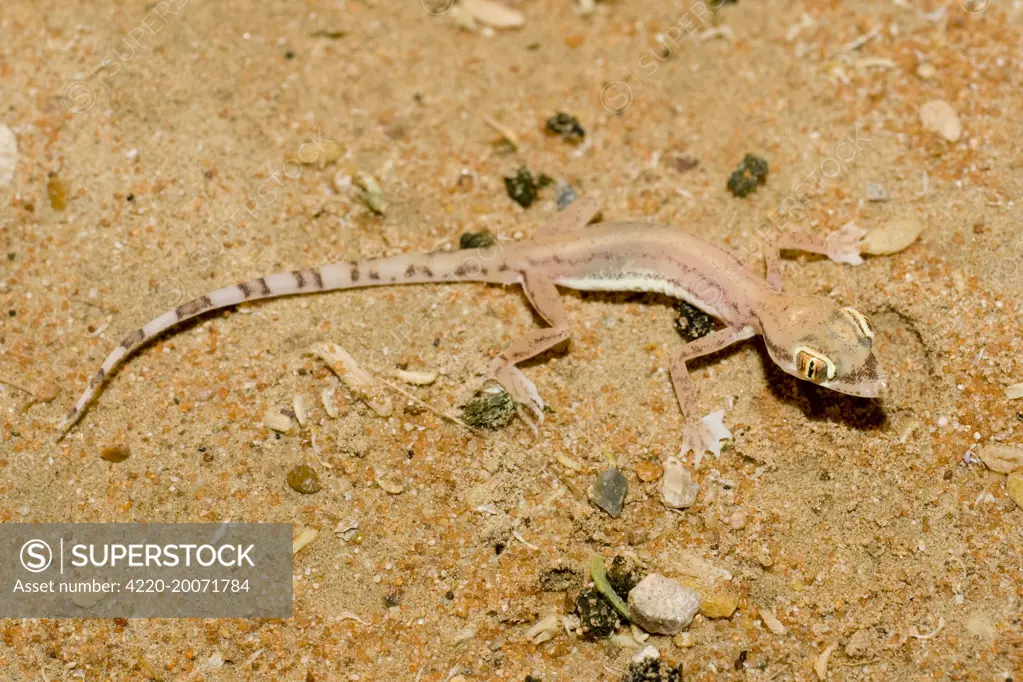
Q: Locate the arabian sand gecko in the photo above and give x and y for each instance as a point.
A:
(809, 337)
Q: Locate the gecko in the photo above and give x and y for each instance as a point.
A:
(810, 337)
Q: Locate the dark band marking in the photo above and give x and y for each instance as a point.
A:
(354, 274)
(245, 289)
(132, 339)
(503, 267)
(299, 278)
(425, 269)
(264, 290)
(97, 379)
(373, 274)
(194, 306)
(317, 277)
(410, 271)
(393, 278)
(73, 412)
(465, 269)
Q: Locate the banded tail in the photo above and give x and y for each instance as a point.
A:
(482, 265)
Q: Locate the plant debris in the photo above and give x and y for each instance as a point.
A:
(476, 240)
(748, 176)
(603, 585)
(598, 618)
(523, 188)
(490, 408)
(624, 574)
(650, 669)
(358, 380)
(566, 126)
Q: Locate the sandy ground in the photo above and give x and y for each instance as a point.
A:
(867, 528)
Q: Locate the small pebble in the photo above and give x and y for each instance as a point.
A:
(132, 155)
(678, 489)
(8, 155)
(304, 479)
(46, 392)
(892, 237)
(876, 192)
(372, 195)
(721, 602)
(663, 606)
(389, 485)
(926, 70)
(1002, 457)
(648, 471)
(494, 14)
(273, 419)
(56, 190)
(772, 622)
(115, 453)
(1014, 392)
(329, 406)
(564, 194)
(1014, 486)
(608, 491)
(939, 117)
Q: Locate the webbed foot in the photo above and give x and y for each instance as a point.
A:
(705, 436)
(844, 245)
(523, 392)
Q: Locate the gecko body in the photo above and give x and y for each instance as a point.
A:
(811, 338)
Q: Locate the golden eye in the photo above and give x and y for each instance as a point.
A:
(813, 366)
(861, 321)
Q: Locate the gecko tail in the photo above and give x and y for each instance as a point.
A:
(439, 267)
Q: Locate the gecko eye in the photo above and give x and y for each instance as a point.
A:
(813, 366)
(861, 321)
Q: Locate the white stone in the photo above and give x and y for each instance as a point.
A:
(939, 117)
(662, 605)
(678, 489)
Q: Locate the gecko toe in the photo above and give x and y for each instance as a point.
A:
(705, 436)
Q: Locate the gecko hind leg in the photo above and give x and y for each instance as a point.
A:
(544, 297)
(702, 434)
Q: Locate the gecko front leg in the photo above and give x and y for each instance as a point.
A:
(702, 434)
(545, 299)
(841, 246)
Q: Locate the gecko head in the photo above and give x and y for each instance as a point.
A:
(818, 341)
